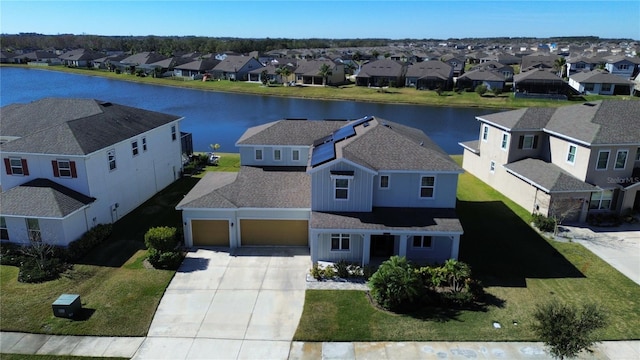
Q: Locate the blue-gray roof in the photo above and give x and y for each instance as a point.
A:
(42, 198)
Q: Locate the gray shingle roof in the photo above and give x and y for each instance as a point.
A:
(289, 132)
(384, 67)
(596, 122)
(537, 75)
(430, 69)
(482, 75)
(390, 219)
(254, 187)
(42, 198)
(599, 77)
(73, 126)
(547, 176)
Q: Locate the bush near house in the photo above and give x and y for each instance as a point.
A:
(162, 242)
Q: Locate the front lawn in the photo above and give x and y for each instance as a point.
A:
(119, 295)
(519, 269)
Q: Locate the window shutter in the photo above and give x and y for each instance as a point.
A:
(74, 172)
(25, 168)
(56, 172)
(535, 142)
(7, 165)
(521, 142)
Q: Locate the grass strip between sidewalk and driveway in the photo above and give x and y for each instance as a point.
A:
(518, 267)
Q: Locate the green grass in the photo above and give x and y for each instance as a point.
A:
(519, 269)
(347, 92)
(119, 295)
(229, 162)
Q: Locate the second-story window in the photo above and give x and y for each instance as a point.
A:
(144, 144)
(258, 154)
(384, 181)
(427, 186)
(64, 168)
(341, 188)
(485, 133)
(505, 141)
(621, 159)
(603, 160)
(277, 154)
(174, 134)
(134, 148)
(111, 158)
(295, 155)
(528, 142)
(571, 154)
(16, 166)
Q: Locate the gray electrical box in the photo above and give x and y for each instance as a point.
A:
(67, 306)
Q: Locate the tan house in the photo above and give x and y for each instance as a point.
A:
(576, 160)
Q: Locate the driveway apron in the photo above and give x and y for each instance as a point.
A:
(230, 304)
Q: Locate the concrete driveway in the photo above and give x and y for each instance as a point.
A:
(240, 305)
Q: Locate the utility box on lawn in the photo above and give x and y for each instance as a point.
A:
(67, 306)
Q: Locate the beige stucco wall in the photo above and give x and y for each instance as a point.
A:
(559, 149)
(610, 177)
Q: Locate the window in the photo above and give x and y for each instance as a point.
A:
(4, 232)
(16, 166)
(588, 87)
(64, 168)
(621, 159)
(277, 154)
(528, 142)
(492, 166)
(427, 186)
(606, 87)
(340, 242)
(144, 144)
(111, 157)
(174, 135)
(341, 188)
(33, 229)
(422, 242)
(571, 154)
(638, 154)
(603, 160)
(485, 132)
(623, 66)
(258, 154)
(505, 141)
(295, 155)
(384, 181)
(601, 200)
(134, 148)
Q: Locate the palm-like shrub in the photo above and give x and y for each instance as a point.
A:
(396, 286)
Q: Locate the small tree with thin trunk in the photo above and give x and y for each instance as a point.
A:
(567, 330)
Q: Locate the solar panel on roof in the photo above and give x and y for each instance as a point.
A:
(323, 153)
(344, 132)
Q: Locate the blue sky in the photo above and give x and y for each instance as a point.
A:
(326, 19)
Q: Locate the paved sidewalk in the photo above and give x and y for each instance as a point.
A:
(127, 347)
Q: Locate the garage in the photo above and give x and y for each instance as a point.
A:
(210, 232)
(274, 232)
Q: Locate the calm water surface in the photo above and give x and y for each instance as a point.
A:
(221, 118)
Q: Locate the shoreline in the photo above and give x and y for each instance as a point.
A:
(397, 96)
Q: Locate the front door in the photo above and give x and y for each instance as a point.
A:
(382, 245)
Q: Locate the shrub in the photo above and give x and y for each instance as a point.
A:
(544, 223)
(565, 329)
(317, 272)
(481, 89)
(79, 248)
(396, 286)
(168, 260)
(342, 269)
(33, 271)
(162, 238)
(11, 255)
(329, 272)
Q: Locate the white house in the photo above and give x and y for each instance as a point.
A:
(70, 164)
(349, 190)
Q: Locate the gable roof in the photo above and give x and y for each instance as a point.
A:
(73, 126)
(234, 63)
(143, 58)
(430, 69)
(312, 67)
(386, 67)
(81, 54)
(289, 132)
(482, 75)
(599, 77)
(592, 123)
(42, 198)
(537, 75)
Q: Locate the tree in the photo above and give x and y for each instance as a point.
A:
(283, 72)
(567, 330)
(214, 147)
(325, 71)
(562, 209)
(481, 89)
(559, 65)
(456, 273)
(396, 285)
(264, 77)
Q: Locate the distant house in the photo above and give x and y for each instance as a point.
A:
(623, 66)
(235, 68)
(195, 67)
(576, 160)
(431, 75)
(381, 73)
(506, 70)
(457, 63)
(42, 57)
(582, 64)
(600, 82)
(504, 59)
(77, 163)
(80, 57)
(272, 73)
(540, 81)
(307, 72)
(359, 191)
(492, 79)
(534, 62)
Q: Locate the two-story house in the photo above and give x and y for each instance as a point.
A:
(349, 190)
(577, 159)
(70, 164)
